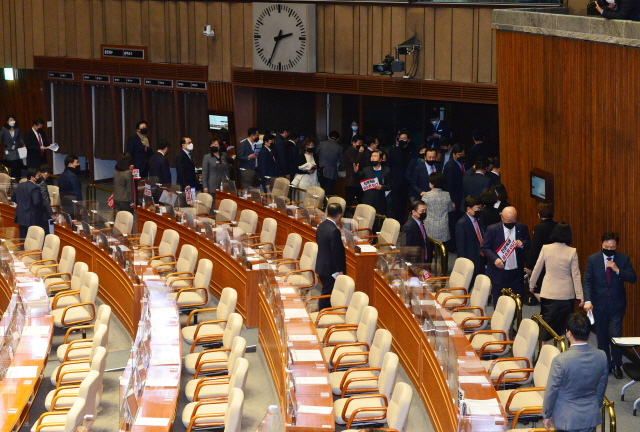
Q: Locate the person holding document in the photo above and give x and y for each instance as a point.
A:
(36, 142)
(375, 193)
(307, 171)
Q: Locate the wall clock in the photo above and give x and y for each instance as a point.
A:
(284, 37)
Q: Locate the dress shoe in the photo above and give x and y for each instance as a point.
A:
(617, 372)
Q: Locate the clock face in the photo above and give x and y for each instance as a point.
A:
(280, 37)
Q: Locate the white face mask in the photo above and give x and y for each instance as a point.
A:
(190, 146)
(12, 123)
(434, 122)
(355, 128)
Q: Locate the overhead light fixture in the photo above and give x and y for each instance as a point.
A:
(8, 74)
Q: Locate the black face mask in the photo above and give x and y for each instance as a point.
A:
(403, 143)
(214, 149)
(144, 131)
(460, 159)
(311, 149)
(477, 214)
(375, 163)
(422, 216)
(77, 170)
(431, 163)
(256, 140)
(608, 253)
(509, 225)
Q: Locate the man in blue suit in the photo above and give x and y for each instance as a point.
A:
(507, 272)
(267, 160)
(29, 210)
(605, 295)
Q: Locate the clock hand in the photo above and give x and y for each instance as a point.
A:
(286, 35)
(277, 39)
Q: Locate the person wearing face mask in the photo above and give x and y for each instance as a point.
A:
(474, 182)
(185, 165)
(370, 145)
(605, 296)
(69, 186)
(420, 178)
(501, 192)
(439, 205)
(45, 172)
(307, 165)
(445, 149)
(398, 162)
(541, 236)
(436, 129)
(354, 128)
(12, 136)
(214, 168)
(352, 156)
(470, 231)
(28, 201)
(375, 197)
(139, 149)
(454, 177)
(267, 160)
(505, 266)
(36, 142)
(415, 232)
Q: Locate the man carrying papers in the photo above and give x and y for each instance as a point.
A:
(375, 192)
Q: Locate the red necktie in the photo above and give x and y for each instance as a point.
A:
(462, 168)
(608, 271)
(40, 141)
(425, 240)
(475, 225)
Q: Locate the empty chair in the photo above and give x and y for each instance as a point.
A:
(359, 301)
(219, 360)
(464, 315)
(305, 276)
(365, 216)
(49, 254)
(192, 361)
(247, 225)
(513, 400)
(365, 358)
(373, 407)
(74, 371)
(67, 259)
(397, 411)
(56, 282)
(523, 348)
(280, 189)
(74, 307)
(123, 223)
(336, 200)
(342, 339)
(369, 379)
(388, 235)
(166, 250)
(219, 386)
(65, 352)
(145, 239)
(290, 252)
(212, 413)
(54, 196)
(459, 282)
(313, 198)
(32, 245)
(501, 321)
(340, 298)
(196, 293)
(63, 421)
(5, 182)
(226, 307)
(202, 205)
(267, 235)
(182, 267)
(226, 211)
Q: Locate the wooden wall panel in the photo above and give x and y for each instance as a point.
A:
(225, 60)
(215, 46)
(443, 47)
(83, 27)
(71, 32)
(462, 39)
(485, 47)
(98, 34)
(18, 6)
(329, 39)
(51, 28)
(248, 35)
(113, 21)
(344, 46)
(61, 28)
(237, 31)
(172, 24)
(133, 16)
(157, 39)
(549, 119)
(183, 32)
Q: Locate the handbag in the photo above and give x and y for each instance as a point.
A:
(110, 202)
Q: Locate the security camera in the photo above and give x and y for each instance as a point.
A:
(208, 31)
(388, 66)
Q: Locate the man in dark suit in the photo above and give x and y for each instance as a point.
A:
(541, 235)
(280, 150)
(621, 9)
(330, 160)
(577, 382)
(139, 149)
(185, 166)
(494, 174)
(370, 145)
(437, 129)
(353, 156)
(291, 155)
(331, 260)
(375, 197)
(419, 179)
(473, 183)
(479, 150)
(29, 210)
(247, 157)
(69, 186)
(605, 295)
(398, 160)
(36, 142)
(453, 174)
(507, 272)
(469, 233)
(414, 232)
(267, 160)
(159, 171)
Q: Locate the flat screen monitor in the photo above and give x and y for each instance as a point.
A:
(189, 218)
(541, 185)
(208, 229)
(105, 241)
(218, 122)
(87, 229)
(67, 219)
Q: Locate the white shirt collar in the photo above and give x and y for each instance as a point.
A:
(334, 222)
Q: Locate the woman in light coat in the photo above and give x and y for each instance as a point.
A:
(562, 283)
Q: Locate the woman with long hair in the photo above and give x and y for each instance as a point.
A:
(123, 184)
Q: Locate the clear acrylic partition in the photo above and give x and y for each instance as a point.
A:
(229, 186)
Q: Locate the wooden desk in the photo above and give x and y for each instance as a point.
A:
(8, 213)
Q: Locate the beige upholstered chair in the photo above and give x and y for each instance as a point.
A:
(313, 198)
(247, 225)
(226, 211)
(267, 237)
(49, 255)
(398, 409)
(280, 189)
(218, 360)
(207, 361)
(67, 260)
(166, 250)
(5, 183)
(63, 421)
(365, 358)
(62, 281)
(212, 329)
(464, 315)
(457, 284)
(216, 413)
(32, 245)
(54, 196)
(123, 224)
(305, 276)
(215, 387)
(65, 352)
(74, 371)
(365, 216)
(145, 239)
(367, 379)
(290, 252)
(513, 400)
(340, 298)
(182, 267)
(501, 321)
(196, 292)
(340, 339)
(359, 301)
(202, 206)
(336, 200)
(523, 348)
(389, 232)
(75, 307)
